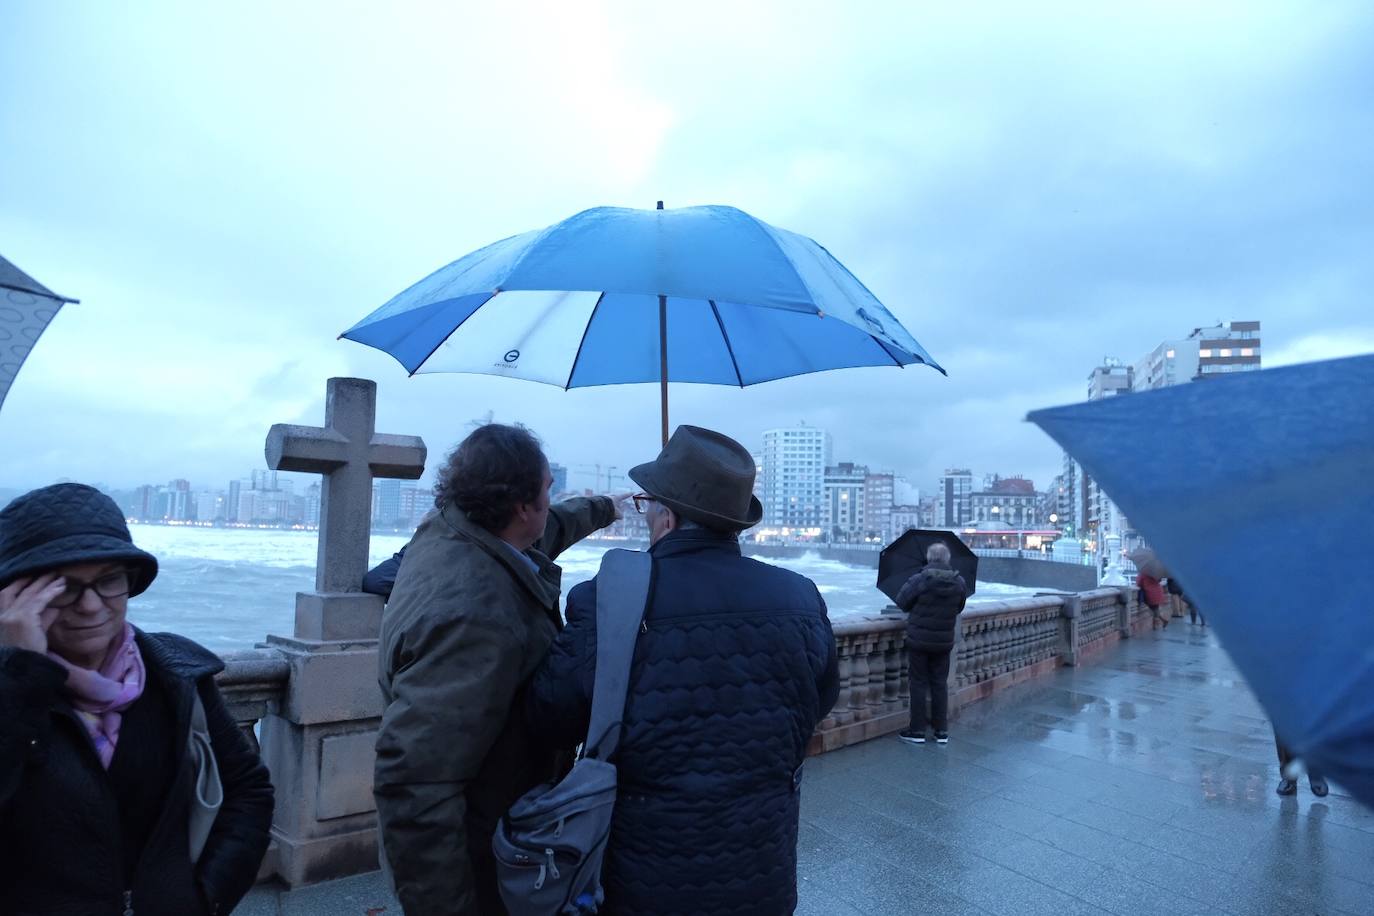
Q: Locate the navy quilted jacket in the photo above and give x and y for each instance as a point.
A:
(734, 666)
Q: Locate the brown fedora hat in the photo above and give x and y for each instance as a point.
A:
(705, 476)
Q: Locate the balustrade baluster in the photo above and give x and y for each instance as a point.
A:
(841, 714)
(858, 692)
(877, 671)
(892, 663)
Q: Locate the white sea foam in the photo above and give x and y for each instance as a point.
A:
(228, 588)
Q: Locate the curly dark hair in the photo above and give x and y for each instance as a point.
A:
(496, 468)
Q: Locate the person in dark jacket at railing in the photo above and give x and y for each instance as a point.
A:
(101, 755)
(933, 599)
(381, 579)
(735, 665)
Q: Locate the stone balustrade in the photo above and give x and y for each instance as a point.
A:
(996, 645)
(254, 684)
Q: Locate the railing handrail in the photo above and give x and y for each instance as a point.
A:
(253, 668)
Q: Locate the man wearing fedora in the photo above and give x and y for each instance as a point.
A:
(734, 666)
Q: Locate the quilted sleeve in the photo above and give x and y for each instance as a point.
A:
(828, 682)
(558, 704)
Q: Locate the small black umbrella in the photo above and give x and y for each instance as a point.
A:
(905, 557)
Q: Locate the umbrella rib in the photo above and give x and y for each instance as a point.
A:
(889, 353)
(729, 348)
(585, 330)
(50, 295)
(444, 339)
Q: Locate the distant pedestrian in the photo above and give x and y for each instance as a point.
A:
(933, 599)
(1288, 783)
(1180, 600)
(1153, 594)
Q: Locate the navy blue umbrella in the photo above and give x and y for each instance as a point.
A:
(906, 556)
(1259, 498)
(611, 296)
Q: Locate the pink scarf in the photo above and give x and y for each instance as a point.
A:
(100, 697)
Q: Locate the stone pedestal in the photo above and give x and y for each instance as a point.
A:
(320, 749)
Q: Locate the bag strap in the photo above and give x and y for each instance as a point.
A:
(622, 592)
(207, 790)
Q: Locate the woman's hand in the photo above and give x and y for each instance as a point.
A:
(24, 612)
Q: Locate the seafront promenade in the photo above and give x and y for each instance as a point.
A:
(1097, 766)
(1138, 782)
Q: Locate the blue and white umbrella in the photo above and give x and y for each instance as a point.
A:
(612, 296)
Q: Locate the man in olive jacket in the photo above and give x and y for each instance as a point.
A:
(473, 612)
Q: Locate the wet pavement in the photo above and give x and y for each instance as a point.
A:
(1141, 782)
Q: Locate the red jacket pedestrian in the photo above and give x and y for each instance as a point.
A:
(1154, 592)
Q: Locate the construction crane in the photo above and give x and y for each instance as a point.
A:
(594, 469)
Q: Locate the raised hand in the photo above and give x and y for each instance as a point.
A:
(621, 501)
(24, 612)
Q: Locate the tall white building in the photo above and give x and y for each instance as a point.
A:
(208, 506)
(1173, 362)
(794, 463)
(1226, 348)
(1111, 379)
(1223, 348)
(956, 486)
(844, 501)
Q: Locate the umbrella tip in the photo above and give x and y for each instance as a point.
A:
(660, 205)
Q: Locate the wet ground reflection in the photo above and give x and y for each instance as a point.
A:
(1142, 781)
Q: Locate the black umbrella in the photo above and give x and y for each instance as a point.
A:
(905, 557)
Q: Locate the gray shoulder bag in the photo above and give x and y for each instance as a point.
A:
(549, 846)
(207, 792)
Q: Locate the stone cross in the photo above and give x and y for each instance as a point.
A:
(349, 452)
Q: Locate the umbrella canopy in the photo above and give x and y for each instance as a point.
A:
(906, 556)
(612, 296)
(1257, 499)
(26, 307)
(1146, 562)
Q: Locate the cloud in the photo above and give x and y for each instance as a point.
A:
(1323, 345)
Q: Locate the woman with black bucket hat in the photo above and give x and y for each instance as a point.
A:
(125, 785)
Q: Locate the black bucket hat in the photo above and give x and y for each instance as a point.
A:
(705, 476)
(66, 524)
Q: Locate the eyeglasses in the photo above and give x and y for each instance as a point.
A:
(642, 501)
(110, 585)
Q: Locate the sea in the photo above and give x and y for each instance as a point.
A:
(227, 588)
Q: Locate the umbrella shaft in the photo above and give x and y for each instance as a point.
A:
(663, 362)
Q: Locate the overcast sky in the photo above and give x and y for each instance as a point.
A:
(1027, 187)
